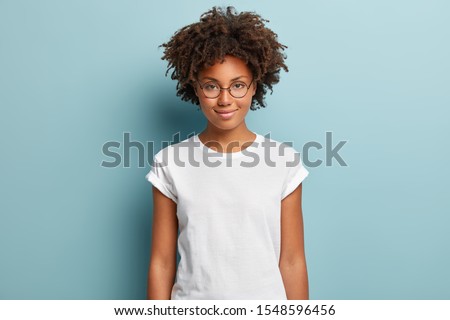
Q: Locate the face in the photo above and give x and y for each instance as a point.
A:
(226, 112)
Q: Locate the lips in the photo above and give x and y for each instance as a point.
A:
(225, 114)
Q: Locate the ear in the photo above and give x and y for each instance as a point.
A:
(253, 88)
(195, 88)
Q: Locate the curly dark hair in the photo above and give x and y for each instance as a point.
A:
(223, 32)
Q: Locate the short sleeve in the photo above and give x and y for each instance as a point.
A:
(295, 175)
(159, 176)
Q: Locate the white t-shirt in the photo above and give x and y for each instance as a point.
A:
(228, 209)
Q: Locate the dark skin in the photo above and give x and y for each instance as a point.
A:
(162, 269)
(292, 262)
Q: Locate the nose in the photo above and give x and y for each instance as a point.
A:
(224, 98)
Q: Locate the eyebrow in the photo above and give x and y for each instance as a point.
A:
(234, 79)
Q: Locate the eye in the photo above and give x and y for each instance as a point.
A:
(210, 86)
(238, 86)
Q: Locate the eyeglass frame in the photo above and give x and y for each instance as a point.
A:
(228, 89)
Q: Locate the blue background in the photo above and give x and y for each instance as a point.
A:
(77, 74)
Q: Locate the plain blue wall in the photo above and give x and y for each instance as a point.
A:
(77, 74)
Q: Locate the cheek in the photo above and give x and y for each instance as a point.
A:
(246, 102)
(205, 103)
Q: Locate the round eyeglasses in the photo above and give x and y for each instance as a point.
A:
(237, 89)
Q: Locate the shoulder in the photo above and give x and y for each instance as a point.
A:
(166, 154)
(277, 149)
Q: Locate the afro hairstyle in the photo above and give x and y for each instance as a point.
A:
(222, 32)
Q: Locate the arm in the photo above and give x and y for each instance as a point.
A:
(163, 260)
(292, 257)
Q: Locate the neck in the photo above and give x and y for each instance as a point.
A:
(226, 138)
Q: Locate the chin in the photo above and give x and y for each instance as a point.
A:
(227, 126)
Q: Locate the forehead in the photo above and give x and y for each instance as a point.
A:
(230, 69)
